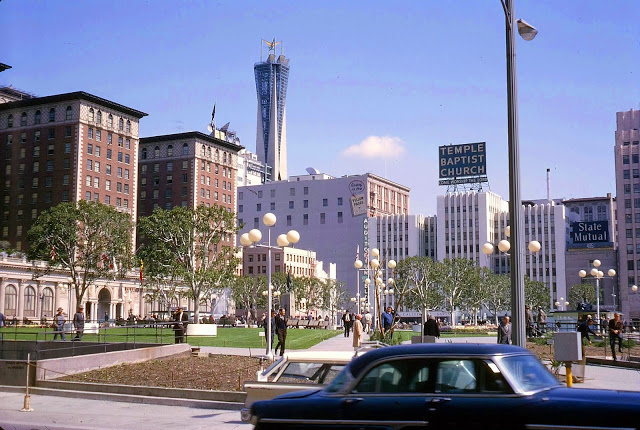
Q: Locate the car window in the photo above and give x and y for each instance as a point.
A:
(528, 372)
(310, 373)
(456, 376)
(491, 379)
(399, 376)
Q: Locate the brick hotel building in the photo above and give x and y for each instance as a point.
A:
(64, 148)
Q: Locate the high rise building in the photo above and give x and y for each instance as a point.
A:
(64, 148)
(251, 171)
(627, 158)
(187, 169)
(272, 78)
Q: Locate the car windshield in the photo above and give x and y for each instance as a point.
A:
(340, 381)
(528, 373)
(310, 373)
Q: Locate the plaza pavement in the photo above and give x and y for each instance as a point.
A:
(56, 413)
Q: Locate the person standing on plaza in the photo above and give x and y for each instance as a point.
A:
(504, 331)
(180, 327)
(78, 323)
(387, 320)
(58, 325)
(431, 327)
(346, 322)
(106, 317)
(542, 320)
(358, 332)
(3, 322)
(529, 320)
(281, 331)
(615, 333)
(585, 328)
(265, 322)
(368, 319)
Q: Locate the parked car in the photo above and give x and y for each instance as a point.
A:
(448, 386)
(295, 371)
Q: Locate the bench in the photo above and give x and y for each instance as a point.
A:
(292, 323)
(303, 323)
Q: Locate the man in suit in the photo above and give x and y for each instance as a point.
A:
(58, 321)
(615, 333)
(271, 337)
(431, 327)
(281, 331)
(180, 327)
(346, 322)
(78, 322)
(504, 331)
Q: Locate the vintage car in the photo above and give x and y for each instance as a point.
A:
(448, 386)
(295, 371)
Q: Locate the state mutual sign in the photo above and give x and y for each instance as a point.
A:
(590, 234)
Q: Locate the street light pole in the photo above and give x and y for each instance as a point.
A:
(515, 218)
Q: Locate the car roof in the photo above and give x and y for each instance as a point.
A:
(434, 349)
(315, 355)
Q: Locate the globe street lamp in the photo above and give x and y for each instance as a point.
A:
(252, 238)
(379, 283)
(527, 32)
(358, 265)
(597, 274)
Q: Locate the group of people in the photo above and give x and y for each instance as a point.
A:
(349, 319)
(616, 330)
(535, 326)
(278, 330)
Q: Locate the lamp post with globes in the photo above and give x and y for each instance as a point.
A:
(597, 274)
(379, 283)
(252, 238)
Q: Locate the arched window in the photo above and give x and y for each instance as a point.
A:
(217, 155)
(156, 152)
(128, 126)
(92, 115)
(99, 118)
(23, 119)
(203, 151)
(38, 117)
(170, 151)
(68, 113)
(47, 302)
(10, 121)
(174, 302)
(224, 157)
(209, 152)
(29, 301)
(52, 114)
(110, 121)
(144, 153)
(10, 300)
(120, 124)
(185, 149)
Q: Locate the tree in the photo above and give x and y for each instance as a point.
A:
(90, 240)
(460, 275)
(582, 293)
(416, 281)
(248, 290)
(182, 246)
(536, 293)
(333, 294)
(474, 297)
(498, 293)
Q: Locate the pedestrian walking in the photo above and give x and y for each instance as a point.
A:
(504, 331)
(358, 332)
(615, 333)
(529, 320)
(78, 323)
(281, 331)
(368, 319)
(346, 322)
(58, 325)
(431, 327)
(542, 320)
(180, 326)
(270, 336)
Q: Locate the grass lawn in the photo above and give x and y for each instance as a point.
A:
(230, 337)
(405, 335)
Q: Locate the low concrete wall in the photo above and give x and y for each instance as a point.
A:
(58, 367)
(138, 390)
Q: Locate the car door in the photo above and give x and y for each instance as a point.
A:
(472, 393)
(390, 395)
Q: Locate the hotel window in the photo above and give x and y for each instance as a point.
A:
(636, 173)
(625, 159)
(10, 121)
(627, 219)
(258, 207)
(120, 141)
(107, 185)
(291, 206)
(339, 217)
(121, 124)
(68, 113)
(91, 114)
(96, 166)
(52, 114)
(305, 204)
(306, 190)
(109, 138)
(288, 220)
(127, 143)
(636, 188)
(638, 217)
(627, 188)
(339, 201)
(170, 151)
(89, 165)
(292, 191)
(65, 179)
(38, 117)
(90, 133)
(635, 158)
(52, 133)
(305, 219)
(98, 135)
(96, 182)
(110, 121)
(144, 153)
(185, 149)
(128, 130)
(87, 196)
(89, 149)
(627, 203)
(97, 151)
(629, 233)
(272, 206)
(23, 119)
(325, 202)
(36, 136)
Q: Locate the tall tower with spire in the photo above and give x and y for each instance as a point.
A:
(272, 77)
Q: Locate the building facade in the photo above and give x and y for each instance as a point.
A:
(298, 262)
(331, 214)
(583, 213)
(65, 148)
(272, 79)
(627, 159)
(251, 171)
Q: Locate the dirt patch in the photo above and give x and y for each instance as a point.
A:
(218, 372)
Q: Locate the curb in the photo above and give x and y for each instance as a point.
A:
(130, 398)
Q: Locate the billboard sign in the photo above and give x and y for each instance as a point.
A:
(463, 164)
(358, 205)
(590, 234)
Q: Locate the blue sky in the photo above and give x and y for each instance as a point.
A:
(407, 76)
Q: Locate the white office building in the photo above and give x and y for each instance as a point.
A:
(331, 214)
(251, 171)
(468, 220)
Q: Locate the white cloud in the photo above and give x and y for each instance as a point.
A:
(384, 147)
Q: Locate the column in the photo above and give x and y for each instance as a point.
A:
(20, 307)
(3, 284)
